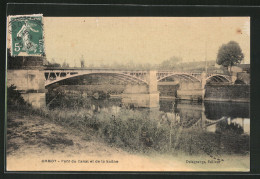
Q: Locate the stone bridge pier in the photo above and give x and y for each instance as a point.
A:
(142, 95)
(192, 90)
(30, 83)
(27, 74)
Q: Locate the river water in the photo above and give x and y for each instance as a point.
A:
(210, 127)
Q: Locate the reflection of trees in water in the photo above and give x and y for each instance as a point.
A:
(230, 138)
(224, 126)
(60, 99)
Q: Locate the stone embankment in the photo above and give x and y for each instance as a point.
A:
(236, 93)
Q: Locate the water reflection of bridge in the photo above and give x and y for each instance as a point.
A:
(207, 115)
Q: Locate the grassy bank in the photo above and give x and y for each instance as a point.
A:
(141, 131)
(144, 131)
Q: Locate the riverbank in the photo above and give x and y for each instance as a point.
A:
(241, 100)
(227, 93)
(36, 143)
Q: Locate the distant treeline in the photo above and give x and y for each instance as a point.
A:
(174, 63)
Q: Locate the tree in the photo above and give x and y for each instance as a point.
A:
(229, 54)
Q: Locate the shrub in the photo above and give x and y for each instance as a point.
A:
(14, 97)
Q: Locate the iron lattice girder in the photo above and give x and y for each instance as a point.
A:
(218, 78)
(194, 77)
(56, 75)
(53, 76)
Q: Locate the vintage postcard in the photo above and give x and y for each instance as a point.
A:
(128, 93)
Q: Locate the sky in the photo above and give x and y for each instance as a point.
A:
(141, 39)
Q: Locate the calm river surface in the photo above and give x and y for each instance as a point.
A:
(221, 127)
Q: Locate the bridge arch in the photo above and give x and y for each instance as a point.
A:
(218, 78)
(60, 76)
(186, 77)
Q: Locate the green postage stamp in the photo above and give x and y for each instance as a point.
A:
(26, 35)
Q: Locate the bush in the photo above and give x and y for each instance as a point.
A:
(14, 97)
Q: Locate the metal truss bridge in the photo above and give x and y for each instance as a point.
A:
(54, 75)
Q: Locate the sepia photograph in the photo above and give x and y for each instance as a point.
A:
(139, 94)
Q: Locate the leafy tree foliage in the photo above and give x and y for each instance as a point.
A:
(229, 54)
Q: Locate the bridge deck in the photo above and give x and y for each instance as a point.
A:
(53, 75)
